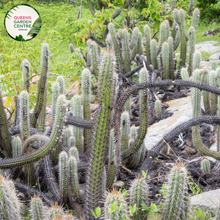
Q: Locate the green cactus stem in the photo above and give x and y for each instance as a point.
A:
(56, 210)
(37, 210)
(205, 166)
(163, 36)
(101, 132)
(115, 199)
(196, 60)
(195, 18)
(126, 50)
(167, 28)
(177, 204)
(134, 37)
(67, 134)
(25, 69)
(165, 58)
(128, 105)
(55, 139)
(88, 61)
(42, 84)
(191, 36)
(86, 99)
(25, 120)
(125, 128)
(147, 35)
(74, 152)
(119, 33)
(153, 49)
(61, 82)
(16, 146)
(78, 132)
(171, 51)
(71, 142)
(206, 99)
(73, 177)
(184, 74)
(158, 108)
(55, 94)
(94, 58)
(71, 48)
(177, 39)
(63, 175)
(104, 179)
(111, 162)
(214, 65)
(139, 193)
(139, 44)
(109, 42)
(213, 82)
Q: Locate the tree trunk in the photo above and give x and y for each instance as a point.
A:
(91, 8)
(100, 4)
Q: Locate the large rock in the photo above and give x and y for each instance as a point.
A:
(215, 57)
(207, 46)
(182, 112)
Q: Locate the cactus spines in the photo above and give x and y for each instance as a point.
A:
(118, 200)
(56, 210)
(213, 82)
(147, 35)
(104, 176)
(109, 42)
(25, 120)
(101, 133)
(63, 175)
(153, 49)
(196, 60)
(139, 44)
(139, 192)
(25, 68)
(158, 108)
(60, 80)
(73, 177)
(177, 199)
(55, 139)
(165, 58)
(171, 71)
(125, 127)
(177, 39)
(89, 42)
(205, 166)
(214, 65)
(167, 28)
(71, 142)
(134, 37)
(111, 162)
(71, 48)
(16, 146)
(163, 35)
(184, 74)
(176, 16)
(195, 18)
(126, 50)
(206, 93)
(42, 84)
(117, 50)
(55, 94)
(67, 135)
(77, 112)
(191, 36)
(74, 152)
(86, 99)
(94, 58)
(9, 203)
(119, 33)
(37, 210)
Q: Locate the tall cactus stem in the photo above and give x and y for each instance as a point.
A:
(191, 36)
(205, 166)
(171, 71)
(71, 141)
(25, 68)
(67, 135)
(55, 94)
(126, 50)
(16, 146)
(195, 18)
(153, 49)
(196, 60)
(213, 82)
(94, 58)
(206, 99)
(74, 152)
(71, 48)
(125, 128)
(147, 35)
(61, 82)
(165, 58)
(37, 210)
(158, 108)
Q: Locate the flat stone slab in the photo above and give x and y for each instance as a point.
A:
(207, 46)
(209, 199)
(182, 109)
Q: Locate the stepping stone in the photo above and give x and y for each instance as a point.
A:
(207, 46)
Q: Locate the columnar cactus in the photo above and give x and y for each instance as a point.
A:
(165, 58)
(73, 177)
(171, 51)
(55, 94)
(9, 202)
(67, 135)
(191, 34)
(147, 35)
(71, 48)
(126, 50)
(94, 58)
(134, 37)
(86, 99)
(119, 33)
(16, 146)
(104, 179)
(111, 161)
(25, 68)
(71, 142)
(37, 210)
(61, 82)
(177, 205)
(177, 38)
(205, 166)
(25, 120)
(74, 152)
(195, 18)
(158, 108)
(184, 74)
(100, 134)
(109, 42)
(116, 199)
(63, 175)
(163, 36)
(139, 193)
(77, 112)
(42, 84)
(125, 127)
(139, 44)
(167, 28)
(128, 105)
(206, 99)
(214, 65)
(56, 210)
(213, 82)
(153, 49)
(196, 60)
